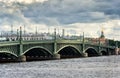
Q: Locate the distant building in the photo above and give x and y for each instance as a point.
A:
(101, 39)
(102, 35)
(30, 36)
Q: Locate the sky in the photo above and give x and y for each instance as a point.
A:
(75, 16)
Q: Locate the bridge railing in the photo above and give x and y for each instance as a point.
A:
(15, 38)
(5, 43)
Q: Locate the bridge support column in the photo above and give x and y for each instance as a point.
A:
(22, 58)
(56, 56)
(109, 53)
(100, 54)
(116, 51)
(85, 54)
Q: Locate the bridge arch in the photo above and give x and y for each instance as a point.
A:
(7, 56)
(91, 52)
(37, 53)
(8, 52)
(104, 53)
(69, 51)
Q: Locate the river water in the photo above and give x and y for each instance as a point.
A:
(91, 67)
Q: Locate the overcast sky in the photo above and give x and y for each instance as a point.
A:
(75, 16)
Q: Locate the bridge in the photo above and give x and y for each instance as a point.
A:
(23, 50)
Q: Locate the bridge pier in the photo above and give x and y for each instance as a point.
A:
(85, 54)
(21, 58)
(116, 51)
(109, 53)
(56, 56)
(100, 54)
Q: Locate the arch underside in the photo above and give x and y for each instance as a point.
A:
(69, 52)
(37, 54)
(7, 57)
(92, 52)
(104, 53)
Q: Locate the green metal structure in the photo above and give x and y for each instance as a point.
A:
(51, 47)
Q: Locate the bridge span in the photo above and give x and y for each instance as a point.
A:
(51, 49)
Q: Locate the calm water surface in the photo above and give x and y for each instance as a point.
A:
(93, 67)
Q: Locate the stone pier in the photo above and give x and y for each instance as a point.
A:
(116, 51)
(85, 54)
(56, 56)
(22, 58)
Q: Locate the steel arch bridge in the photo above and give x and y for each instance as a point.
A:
(21, 50)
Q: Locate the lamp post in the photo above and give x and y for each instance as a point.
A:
(83, 42)
(55, 34)
(20, 35)
(17, 34)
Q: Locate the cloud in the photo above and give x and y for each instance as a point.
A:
(23, 1)
(76, 16)
(70, 11)
(52, 12)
